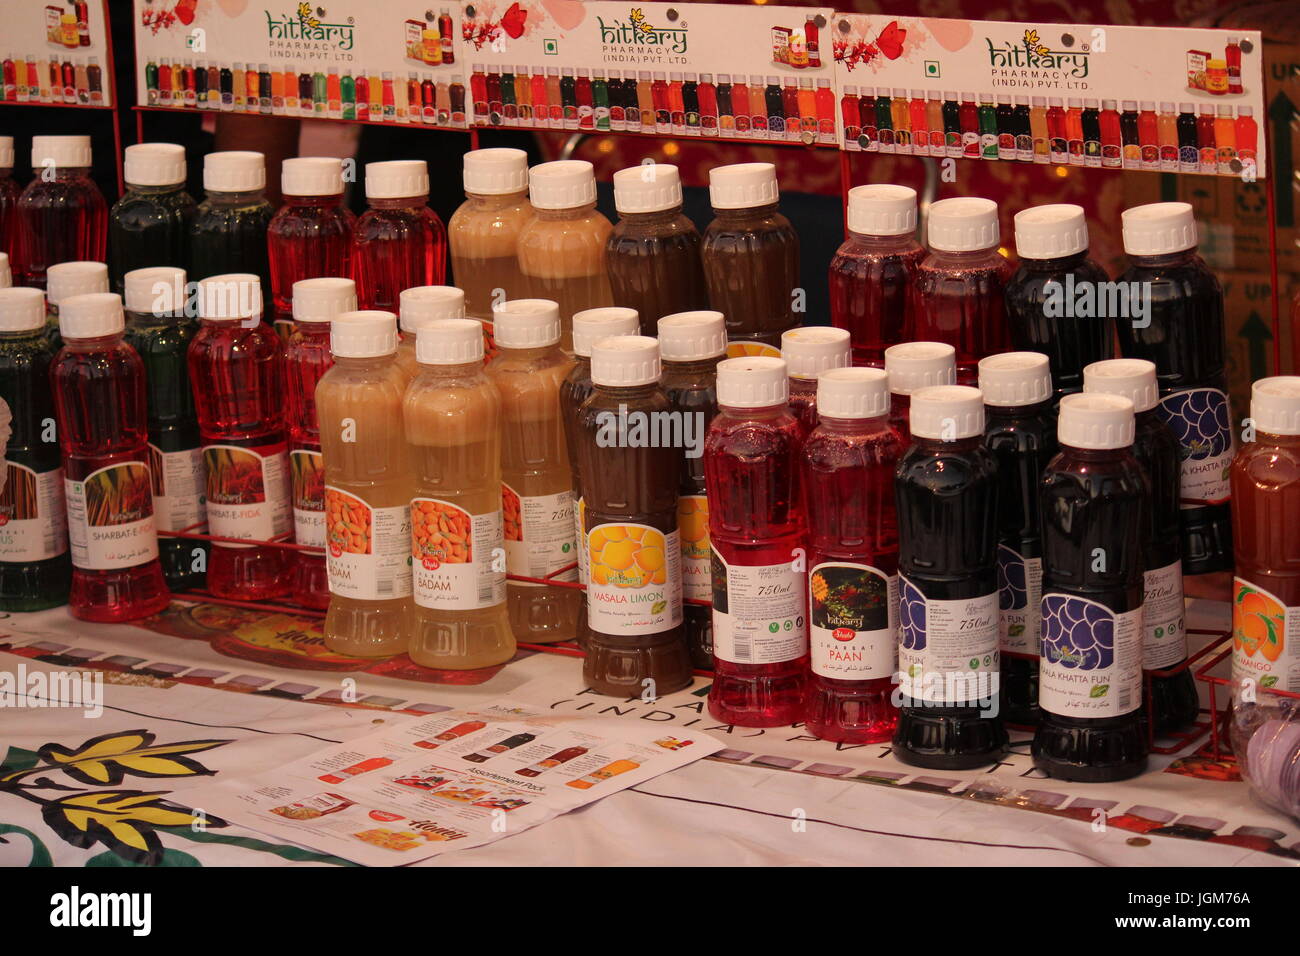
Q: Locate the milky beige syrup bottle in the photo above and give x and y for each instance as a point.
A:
(562, 250)
(458, 565)
(484, 231)
(368, 488)
(536, 483)
(419, 306)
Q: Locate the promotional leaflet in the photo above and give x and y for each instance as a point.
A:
(57, 52)
(458, 779)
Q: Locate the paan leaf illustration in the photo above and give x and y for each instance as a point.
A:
(122, 820)
(110, 758)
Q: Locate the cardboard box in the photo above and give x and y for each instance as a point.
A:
(1248, 318)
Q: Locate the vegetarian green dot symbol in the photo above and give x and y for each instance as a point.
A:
(774, 627)
(974, 663)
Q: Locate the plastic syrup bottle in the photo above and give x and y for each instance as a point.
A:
(691, 344)
(99, 404)
(946, 493)
(562, 250)
(237, 374)
(150, 225)
(1020, 431)
(1094, 501)
(368, 489)
(453, 426)
(420, 306)
(159, 328)
(310, 236)
(316, 303)
(756, 530)
(653, 254)
(228, 235)
(635, 643)
(398, 242)
(61, 214)
(1054, 271)
(959, 286)
(35, 570)
(807, 353)
(848, 490)
(751, 258)
(1183, 334)
(9, 193)
(536, 479)
(63, 280)
(913, 366)
(1265, 503)
(589, 327)
(872, 274)
(1173, 703)
(484, 231)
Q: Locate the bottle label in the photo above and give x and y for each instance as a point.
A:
(970, 145)
(693, 526)
(758, 612)
(368, 550)
(248, 492)
(580, 540)
(110, 518)
(539, 536)
(33, 517)
(1165, 642)
(178, 485)
(852, 621)
(948, 650)
(989, 145)
(1091, 662)
(1202, 422)
(1020, 588)
(308, 475)
(457, 559)
(748, 348)
(1265, 638)
(636, 580)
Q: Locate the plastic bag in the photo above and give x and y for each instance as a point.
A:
(1265, 733)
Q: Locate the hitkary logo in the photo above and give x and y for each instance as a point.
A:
(307, 23)
(638, 32)
(1032, 54)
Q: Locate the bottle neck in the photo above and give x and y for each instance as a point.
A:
(324, 201)
(853, 426)
(245, 198)
(66, 173)
(572, 212)
(971, 255)
(37, 335)
(657, 218)
(1063, 264)
(747, 212)
(898, 243)
(446, 372)
(1097, 454)
(526, 354)
(139, 190)
(1163, 261)
(765, 413)
(701, 367)
(362, 363)
(627, 393)
(496, 201)
(133, 317)
(313, 330)
(969, 443)
(400, 202)
(98, 343)
(1017, 411)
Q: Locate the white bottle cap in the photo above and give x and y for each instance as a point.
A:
(321, 299)
(882, 209)
(622, 361)
(1097, 421)
(592, 325)
(526, 324)
(449, 342)
(947, 412)
(91, 315)
(6, 152)
(233, 297)
(1015, 378)
(916, 365)
(1158, 228)
(758, 382)
(743, 185)
(1134, 379)
(6, 274)
(1275, 405)
(692, 336)
(810, 351)
(565, 184)
(648, 187)
(423, 304)
(159, 290)
(234, 171)
(853, 393)
(963, 224)
(369, 333)
(153, 164)
(66, 279)
(22, 310)
(1051, 232)
(66, 152)
(495, 172)
(312, 176)
(397, 179)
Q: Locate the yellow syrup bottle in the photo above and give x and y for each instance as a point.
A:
(562, 250)
(368, 488)
(536, 482)
(484, 232)
(458, 568)
(418, 306)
